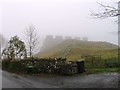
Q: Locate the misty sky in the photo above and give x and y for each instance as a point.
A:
(56, 17)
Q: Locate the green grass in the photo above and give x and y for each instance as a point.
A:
(102, 70)
(73, 50)
(106, 69)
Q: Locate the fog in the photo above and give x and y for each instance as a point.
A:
(61, 17)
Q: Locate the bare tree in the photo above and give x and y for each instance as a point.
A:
(32, 40)
(107, 11)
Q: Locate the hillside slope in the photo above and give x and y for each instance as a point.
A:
(74, 50)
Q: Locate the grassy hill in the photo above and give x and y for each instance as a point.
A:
(74, 50)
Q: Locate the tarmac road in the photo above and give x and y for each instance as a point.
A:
(109, 80)
(10, 80)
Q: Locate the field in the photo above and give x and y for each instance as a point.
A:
(76, 50)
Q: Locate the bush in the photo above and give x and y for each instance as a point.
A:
(112, 64)
(5, 64)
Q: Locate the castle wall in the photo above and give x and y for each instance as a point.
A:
(50, 41)
(85, 39)
(77, 38)
(68, 37)
(59, 38)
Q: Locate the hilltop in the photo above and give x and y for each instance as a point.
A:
(75, 49)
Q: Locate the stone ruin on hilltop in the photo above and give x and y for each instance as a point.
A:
(51, 41)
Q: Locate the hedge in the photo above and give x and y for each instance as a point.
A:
(40, 65)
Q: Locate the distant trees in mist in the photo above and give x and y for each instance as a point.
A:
(3, 43)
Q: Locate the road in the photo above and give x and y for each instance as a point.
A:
(10, 80)
(109, 80)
